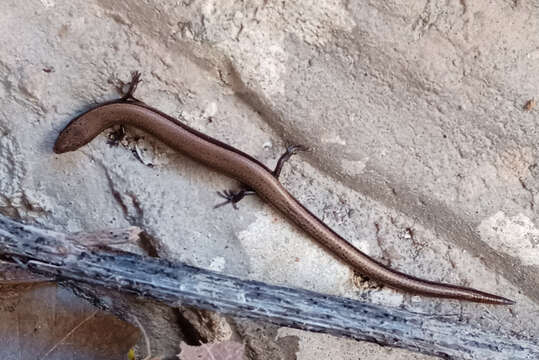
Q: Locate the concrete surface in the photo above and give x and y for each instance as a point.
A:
(422, 153)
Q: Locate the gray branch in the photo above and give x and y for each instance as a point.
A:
(67, 257)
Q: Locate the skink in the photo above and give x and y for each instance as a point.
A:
(255, 176)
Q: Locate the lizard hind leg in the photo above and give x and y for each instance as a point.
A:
(233, 197)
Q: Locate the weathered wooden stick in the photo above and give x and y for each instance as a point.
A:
(65, 257)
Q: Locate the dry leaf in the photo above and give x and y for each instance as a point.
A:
(44, 321)
(530, 104)
(226, 350)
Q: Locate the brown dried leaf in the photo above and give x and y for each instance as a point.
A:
(530, 104)
(45, 321)
(226, 350)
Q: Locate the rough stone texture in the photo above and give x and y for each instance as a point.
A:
(422, 153)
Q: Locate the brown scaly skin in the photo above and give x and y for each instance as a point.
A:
(255, 177)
